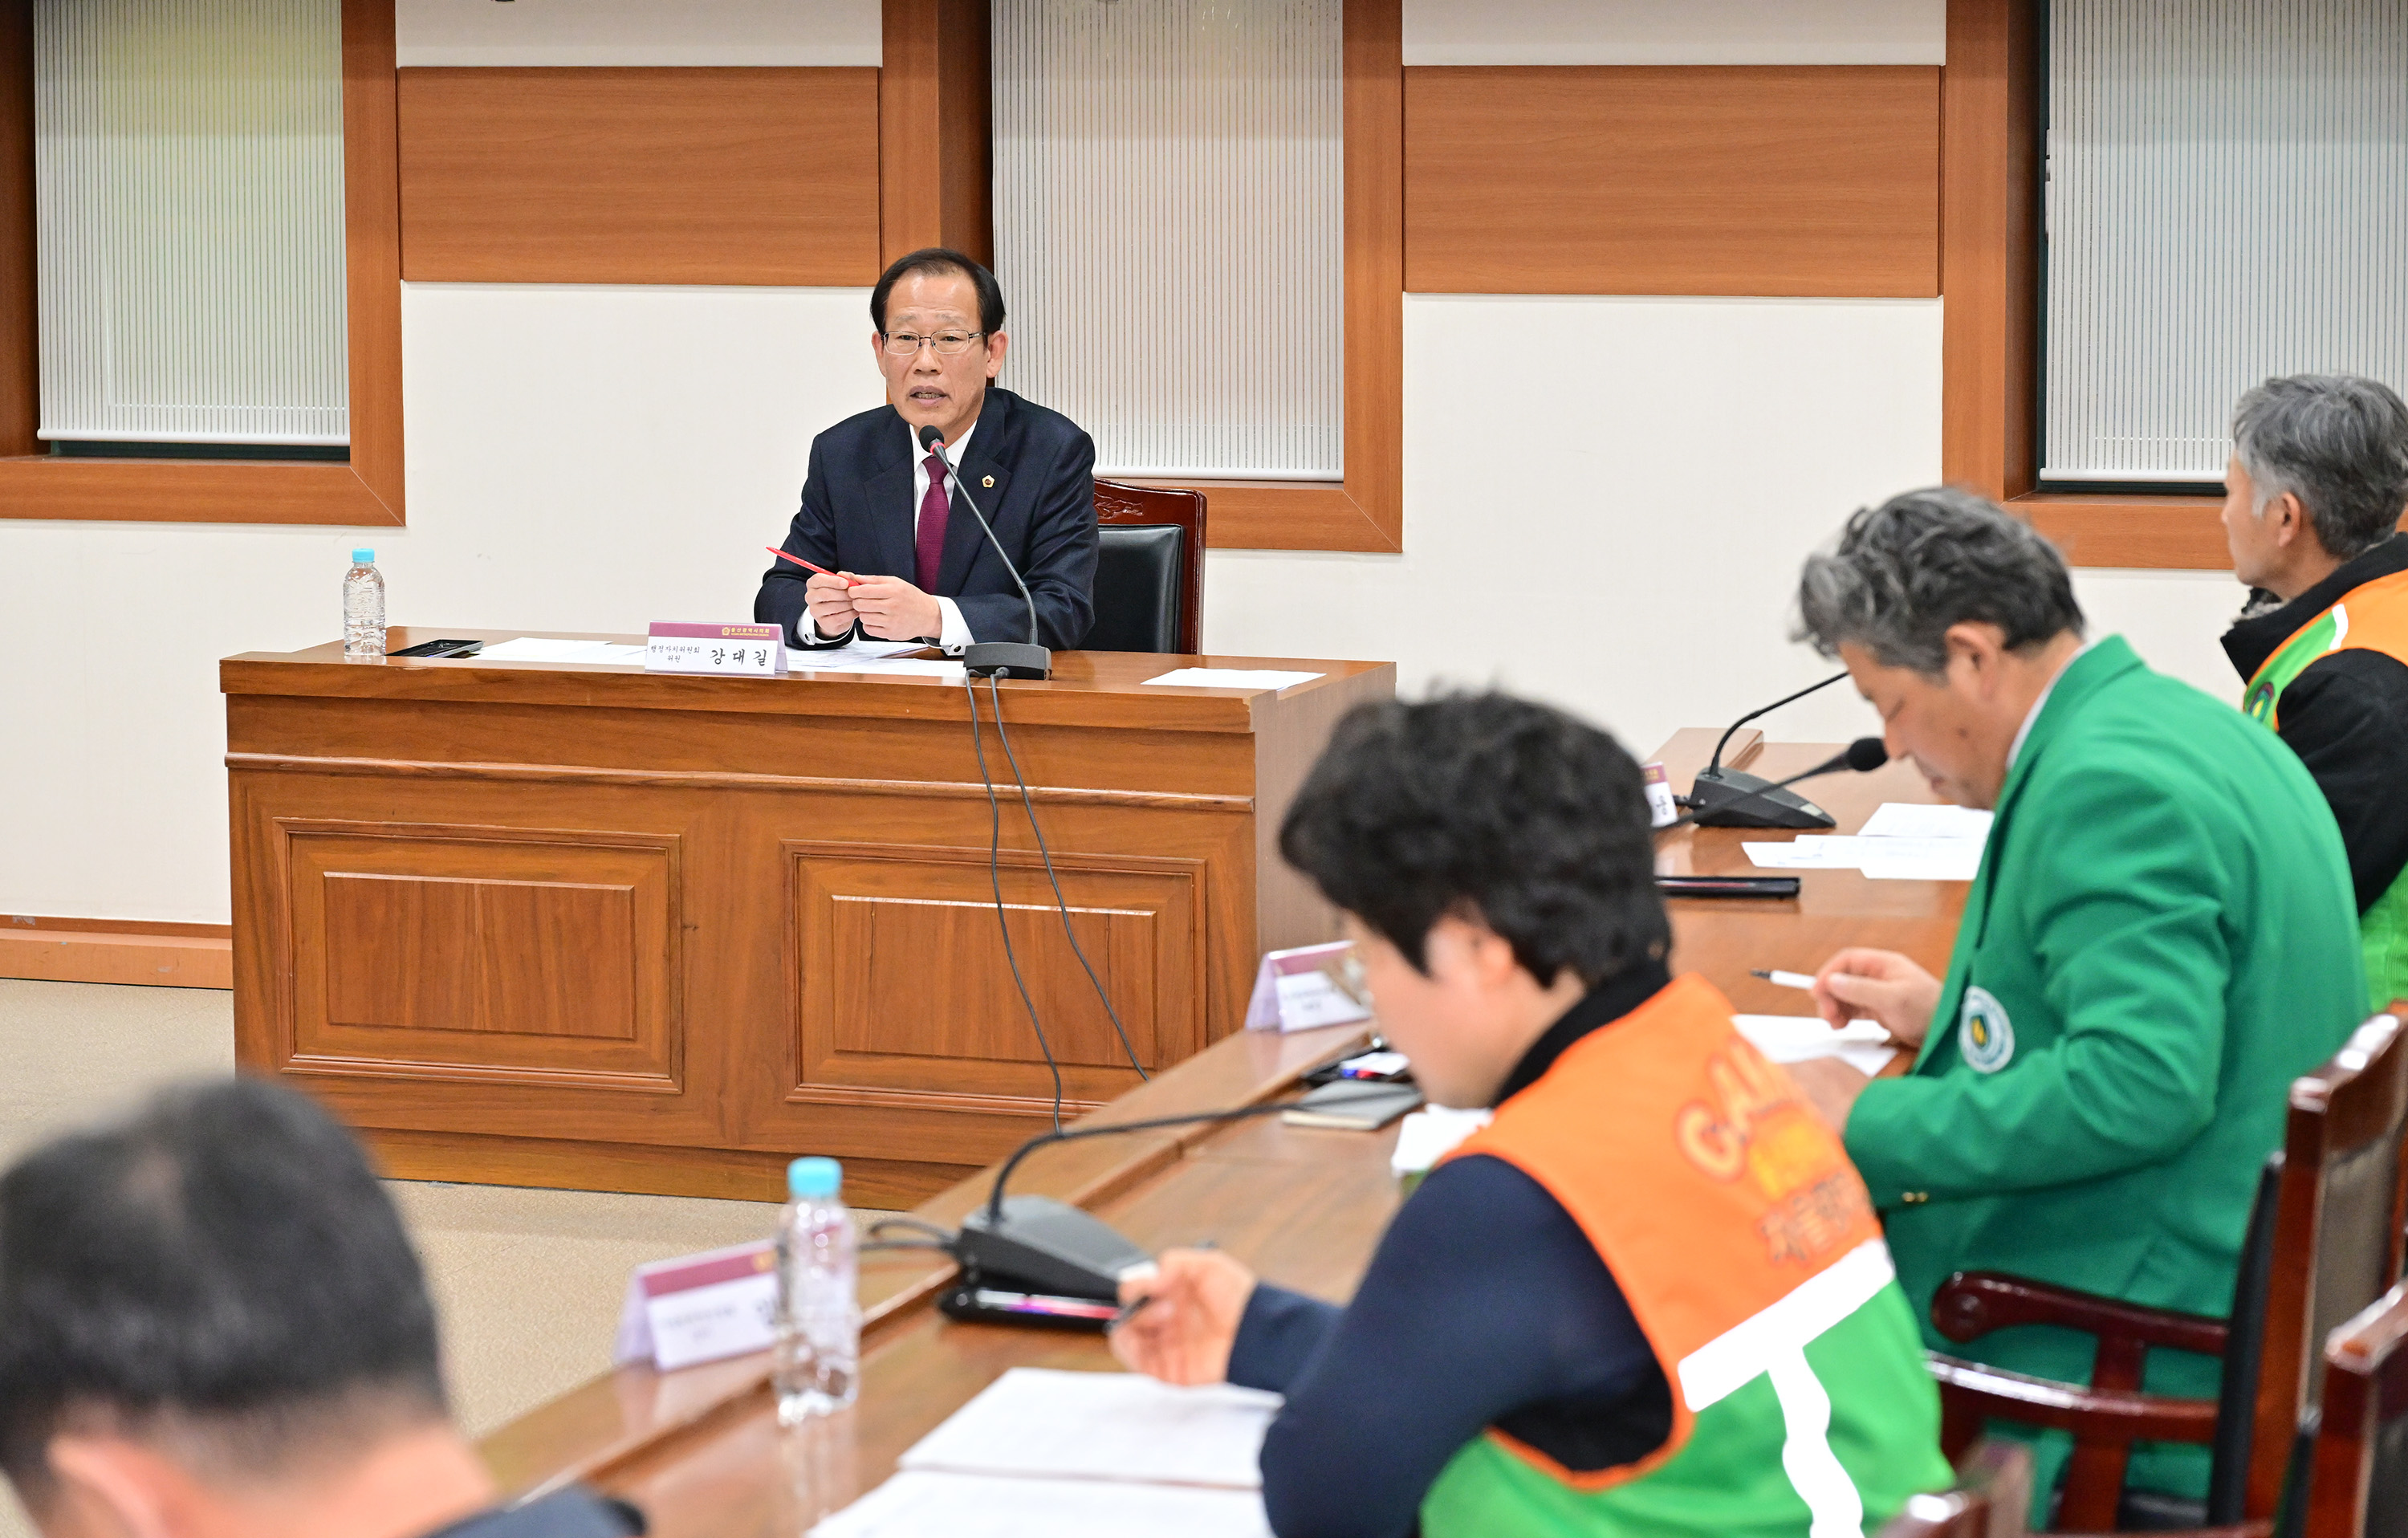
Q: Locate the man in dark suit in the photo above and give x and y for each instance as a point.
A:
(879, 511)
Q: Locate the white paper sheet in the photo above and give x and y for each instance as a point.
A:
(1036, 1421)
(1921, 860)
(1233, 678)
(1807, 851)
(1429, 1134)
(1913, 820)
(804, 662)
(1862, 1044)
(548, 649)
(949, 1506)
(852, 651)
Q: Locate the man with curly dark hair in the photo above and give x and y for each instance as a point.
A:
(1651, 1296)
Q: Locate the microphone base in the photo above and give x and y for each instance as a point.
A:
(1007, 659)
(1727, 799)
(1044, 1246)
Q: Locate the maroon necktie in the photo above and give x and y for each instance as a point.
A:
(934, 509)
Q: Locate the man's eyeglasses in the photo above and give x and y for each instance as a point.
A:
(948, 344)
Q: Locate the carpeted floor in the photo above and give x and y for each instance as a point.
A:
(529, 1281)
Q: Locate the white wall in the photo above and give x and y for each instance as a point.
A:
(585, 458)
(637, 31)
(596, 458)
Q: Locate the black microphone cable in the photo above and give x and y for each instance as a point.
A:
(993, 687)
(1003, 918)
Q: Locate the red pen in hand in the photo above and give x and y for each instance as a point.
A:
(849, 582)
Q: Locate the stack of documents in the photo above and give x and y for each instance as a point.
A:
(1233, 678)
(1902, 840)
(870, 656)
(545, 649)
(1066, 1454)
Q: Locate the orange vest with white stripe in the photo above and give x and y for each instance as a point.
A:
(1747, 1248)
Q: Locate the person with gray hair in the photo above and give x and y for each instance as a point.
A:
(2312, 508)
(2159, 939)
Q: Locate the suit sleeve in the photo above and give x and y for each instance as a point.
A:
(1057, 560)
(2346, 716)
(813, 536)
(2125, 919)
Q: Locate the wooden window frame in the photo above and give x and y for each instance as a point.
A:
(1989, 277)
(367, 490)
(935, 125)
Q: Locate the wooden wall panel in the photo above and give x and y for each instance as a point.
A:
(935, 127)
(484, 955)
(1744, 179)
(902, 983)
(640, 176)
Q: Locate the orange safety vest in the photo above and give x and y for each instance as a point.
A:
(1747, 1248)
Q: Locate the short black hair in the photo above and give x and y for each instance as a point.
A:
(224, 1262)
(941, 259)
(2337, 442)
(1905, 571)
(1485, 807)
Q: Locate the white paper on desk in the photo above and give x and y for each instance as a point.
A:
(1864, 1045)
(908, 666)
(548, 649)
(1921, 860)
(1806, 851)
(1233, 678)
(849, 653)
(1430, 1134)
(949, 1506)
(1913, 820)
(1041, 1422)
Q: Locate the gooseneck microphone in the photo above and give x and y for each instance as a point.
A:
(1052, 1246)
(1721, 798)
(993, 658)
(1863, 755)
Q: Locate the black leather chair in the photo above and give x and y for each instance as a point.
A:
(1149, 569)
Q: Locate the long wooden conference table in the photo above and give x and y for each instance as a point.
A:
(700, 1450)
(554, 924)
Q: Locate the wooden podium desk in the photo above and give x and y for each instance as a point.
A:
(584, 926)
(700, 1449)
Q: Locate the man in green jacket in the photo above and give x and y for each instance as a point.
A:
(2161, 936)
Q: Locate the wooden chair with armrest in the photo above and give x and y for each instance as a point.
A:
(2359, 1484)
(1993, 1492)
(2325, 1241)
(1149, 569)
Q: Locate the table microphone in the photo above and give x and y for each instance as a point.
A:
(1721, 798)
(993, 658)
(1051, 1247)
(1863, 755)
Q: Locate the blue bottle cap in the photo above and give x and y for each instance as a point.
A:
(362, 557)
(813, 1178)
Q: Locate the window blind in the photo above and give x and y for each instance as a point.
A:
(2226, 200)
(1169, 229)
(188, 164)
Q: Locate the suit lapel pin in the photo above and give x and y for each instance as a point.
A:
(988, 482)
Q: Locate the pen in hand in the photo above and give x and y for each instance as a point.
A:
(1784, 980)
(1135, 1306)
(849, 582)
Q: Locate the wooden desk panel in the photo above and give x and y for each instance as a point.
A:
(701, 1450)
(586, 925)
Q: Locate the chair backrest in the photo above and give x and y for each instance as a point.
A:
(1149, 570)
(1992, 1499)
(2337, 1230)
(2245, 1347)
(2359, 1484)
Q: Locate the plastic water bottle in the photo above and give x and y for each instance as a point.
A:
(362, 607)
(818, 1368)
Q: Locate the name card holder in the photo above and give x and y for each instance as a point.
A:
(1310, 985)
(747, 651)
(700, 1307)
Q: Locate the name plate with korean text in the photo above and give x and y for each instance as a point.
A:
(700, 1307)
(754, 651)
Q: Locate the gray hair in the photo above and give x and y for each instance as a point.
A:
(2337, 442)
(1905, 571)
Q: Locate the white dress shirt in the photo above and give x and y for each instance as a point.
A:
(955, 632)
(2041, 704)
